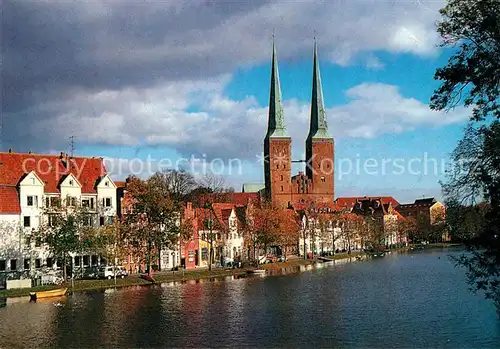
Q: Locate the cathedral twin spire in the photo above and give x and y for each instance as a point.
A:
(276, 123)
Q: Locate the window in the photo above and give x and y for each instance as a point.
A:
(71, 182)
(106, 184)
(33, 181)
(281, 177)
(27, 240)
(52, 201)
(77, 260)
(27, 221)
(52, 220)
(13, 264)
(284, 166)
(277, 167)
(281, 188)
(323, 179)
(110, 219)
(86, 261)
(101, 221)
(38, 263)
(204, 254)
(166, 259)
(38, 241)
(93, 260)
(27, 263)
(50, 262)
(106, 202)
(2, 265)
(32, 200)
(71, 201)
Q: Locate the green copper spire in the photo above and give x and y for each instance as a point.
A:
(318, 127)
(276, 124)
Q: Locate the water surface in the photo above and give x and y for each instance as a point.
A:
(412, 300)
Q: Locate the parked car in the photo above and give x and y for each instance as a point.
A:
(108, 272)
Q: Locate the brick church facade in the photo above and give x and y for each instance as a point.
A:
(316, 184)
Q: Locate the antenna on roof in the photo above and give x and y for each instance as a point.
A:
(72, 141)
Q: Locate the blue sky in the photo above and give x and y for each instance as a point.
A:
(188, 80)
(414, 78)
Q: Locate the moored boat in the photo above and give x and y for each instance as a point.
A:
(47, 294)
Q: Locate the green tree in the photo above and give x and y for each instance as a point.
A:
(472, 75)
(62, 232)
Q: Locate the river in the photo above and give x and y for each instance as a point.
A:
(408, 300)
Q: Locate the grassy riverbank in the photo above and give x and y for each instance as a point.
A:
(134, 280)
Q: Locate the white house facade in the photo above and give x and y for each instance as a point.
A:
(30, 186)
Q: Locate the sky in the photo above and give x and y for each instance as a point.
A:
(162, 84)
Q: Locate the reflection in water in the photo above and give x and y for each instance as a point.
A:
(22, 322)
(409, 300)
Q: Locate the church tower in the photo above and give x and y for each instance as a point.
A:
(277, 145)
(319, 144)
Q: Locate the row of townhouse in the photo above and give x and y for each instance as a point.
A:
(385, 211)
(31, 185)
(218, 225)
(339, 235)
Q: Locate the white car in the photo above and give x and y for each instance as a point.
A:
(108, 272)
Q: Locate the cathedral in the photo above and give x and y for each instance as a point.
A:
(316, 184)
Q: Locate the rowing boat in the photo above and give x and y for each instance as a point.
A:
(46, 294)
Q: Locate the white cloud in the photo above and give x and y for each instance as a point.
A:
(168, 116)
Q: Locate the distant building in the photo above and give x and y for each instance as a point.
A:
(425, 211)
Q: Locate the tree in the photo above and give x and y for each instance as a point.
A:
(472, 75)
(175, 183)
(154, 220)
(261, 229)
(215, 229)
(351, 225)
(465, 221)
(288, 230)
(407, 228)
(63, 232)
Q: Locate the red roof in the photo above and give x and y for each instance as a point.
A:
(9, 200)
(120, 184)
(233, 198)
(334, 207)
(51, 169)
(348, 202)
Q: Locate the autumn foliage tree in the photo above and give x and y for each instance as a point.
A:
(288, 230)
(154, 220)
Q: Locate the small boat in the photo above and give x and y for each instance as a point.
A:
(256, 271)
(324, 259)
(47, 294)
(148, 278)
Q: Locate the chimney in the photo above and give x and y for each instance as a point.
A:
(64, 159)
(11, 150)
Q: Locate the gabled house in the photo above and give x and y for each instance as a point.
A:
(31, 185)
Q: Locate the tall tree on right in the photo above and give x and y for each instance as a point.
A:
(472, 77)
